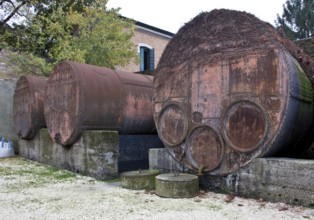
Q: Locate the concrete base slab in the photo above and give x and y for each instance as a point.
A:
(284, 180)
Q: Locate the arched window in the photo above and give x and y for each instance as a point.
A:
(146, 57)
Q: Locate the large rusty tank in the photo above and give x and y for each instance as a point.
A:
(227, 90)
(85, 97)
(28, 111)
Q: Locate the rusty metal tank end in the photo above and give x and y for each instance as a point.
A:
(85, 97)
(226, 91)
(28, 111)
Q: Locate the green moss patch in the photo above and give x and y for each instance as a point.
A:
(32, 174)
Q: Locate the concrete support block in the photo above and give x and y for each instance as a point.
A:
(94, 154)
(161, 160)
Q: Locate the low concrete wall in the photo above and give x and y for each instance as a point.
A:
(272, 179)
(94, 154)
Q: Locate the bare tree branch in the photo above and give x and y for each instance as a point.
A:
(16, 9)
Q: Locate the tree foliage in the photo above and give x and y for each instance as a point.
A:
(297, 20)
(84, 31)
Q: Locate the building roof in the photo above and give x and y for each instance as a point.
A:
(153, 29)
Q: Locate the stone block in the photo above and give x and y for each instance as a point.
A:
(161, 160)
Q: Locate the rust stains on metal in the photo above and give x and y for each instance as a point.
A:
(227, 91)
(28, 112)
(173, 125)
(205, 148)
(244, 126)
(86, 97)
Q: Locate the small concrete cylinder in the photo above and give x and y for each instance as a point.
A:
(139, 180)
(180, 185)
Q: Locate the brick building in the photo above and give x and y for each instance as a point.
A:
(151, 42)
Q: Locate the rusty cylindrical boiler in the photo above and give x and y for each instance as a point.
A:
(224, 97)
(28, 111)
(85, 97)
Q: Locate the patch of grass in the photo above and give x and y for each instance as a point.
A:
(55, 173)
(32, 174)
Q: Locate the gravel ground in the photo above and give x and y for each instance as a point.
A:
(29, 190)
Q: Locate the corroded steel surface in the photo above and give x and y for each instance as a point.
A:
(245, 126)
(220, 116)
(228, 90)
(229, 113)
(28, 111)
(173, 125)
(205, 147)
(85, 97)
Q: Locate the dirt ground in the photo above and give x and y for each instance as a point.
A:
(29, 190)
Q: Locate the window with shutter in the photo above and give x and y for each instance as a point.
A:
(146, 58)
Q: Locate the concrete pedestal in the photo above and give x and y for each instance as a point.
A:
(160, 159)
(94, 154)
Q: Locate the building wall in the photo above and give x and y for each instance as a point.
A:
(158, 42)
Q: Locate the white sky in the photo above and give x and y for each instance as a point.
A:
(170, 15)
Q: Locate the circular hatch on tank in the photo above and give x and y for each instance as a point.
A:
(205, 147)
(173, 125)
(244, 126)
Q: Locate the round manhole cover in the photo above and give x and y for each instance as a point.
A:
(173, 125)
(244, 126)
(205, 147)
